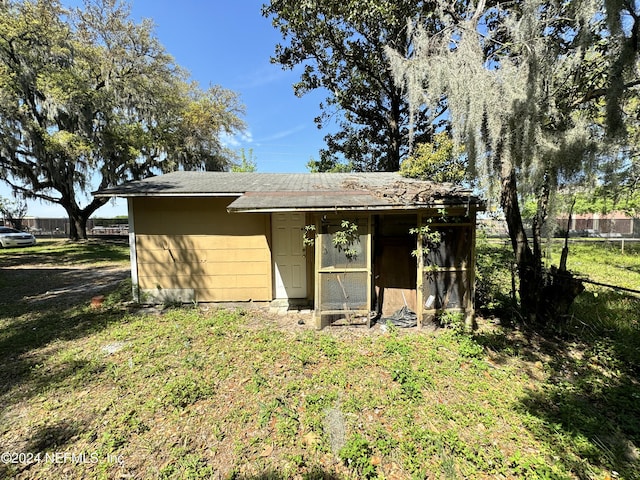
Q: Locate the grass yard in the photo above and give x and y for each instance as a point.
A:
(198, 392)
(60, 252)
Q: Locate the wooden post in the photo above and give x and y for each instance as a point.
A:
(133, 252)
(369, 268)
(470, 273)
(419, 277)
(317, 317)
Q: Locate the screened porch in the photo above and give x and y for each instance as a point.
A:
(369, 265)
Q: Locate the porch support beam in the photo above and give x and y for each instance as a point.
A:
(419, 275)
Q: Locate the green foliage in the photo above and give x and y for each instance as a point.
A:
(430, 239)
(329, 346)
(188, 466)
(469, 348)
(13, 211)
(345, 238)
(89, 97)
(285, 420)
(439, 161)
(59, 252)
(183, 391)
(494, 277)
(411, 381)
(532, 467)
(309, 235)
(340, 46)
(605, 200)
(527, 86)
(356, 454)
(247, 162)
(452, 320)
(328, 164)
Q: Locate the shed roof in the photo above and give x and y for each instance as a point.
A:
(300, 191)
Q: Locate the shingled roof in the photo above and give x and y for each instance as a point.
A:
(300, 191)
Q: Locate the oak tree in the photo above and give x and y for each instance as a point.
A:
(341, 45)
(438, 161)
(536, 92)
(13, 211)
(89, 99)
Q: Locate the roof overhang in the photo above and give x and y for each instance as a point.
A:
(165, 194)
(347, 201)
(317, 192)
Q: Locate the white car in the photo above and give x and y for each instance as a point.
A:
(10, 237)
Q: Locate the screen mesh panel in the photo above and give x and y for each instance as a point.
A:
(454, 247)
(343, 291)
(335, 256)
(444, 290)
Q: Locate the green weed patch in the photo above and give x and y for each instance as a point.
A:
(200, 392)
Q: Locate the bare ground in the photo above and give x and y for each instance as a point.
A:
(46, 283)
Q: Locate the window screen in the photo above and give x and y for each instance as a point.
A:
(333, 256)
(343, 291)
(454, 247)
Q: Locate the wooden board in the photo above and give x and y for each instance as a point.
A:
(396, 273)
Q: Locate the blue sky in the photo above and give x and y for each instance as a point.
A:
(229, 43)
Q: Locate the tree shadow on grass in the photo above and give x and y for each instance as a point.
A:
(52, 438)
(492, 298)
(38, 313)
(588, 411)
(33, 320)
(46, 442)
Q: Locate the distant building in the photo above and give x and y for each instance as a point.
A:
(610, 225)
(613, 224)
(60, 226)
(45, 226)
(493, 226)
(115, 229)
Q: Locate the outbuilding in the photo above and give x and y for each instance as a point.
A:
(350, 245)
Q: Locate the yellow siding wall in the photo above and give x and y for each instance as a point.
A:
(193, 243)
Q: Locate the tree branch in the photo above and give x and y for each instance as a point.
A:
(601, 92)
(29, 193)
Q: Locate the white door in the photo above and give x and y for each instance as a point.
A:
(289, 263)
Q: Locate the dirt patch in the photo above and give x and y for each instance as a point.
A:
(39, 284)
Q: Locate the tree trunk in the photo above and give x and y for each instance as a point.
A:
(545, 296)
(77, 227)
(565, 250)
(395, 135)
(78, 217)
(528, 264)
